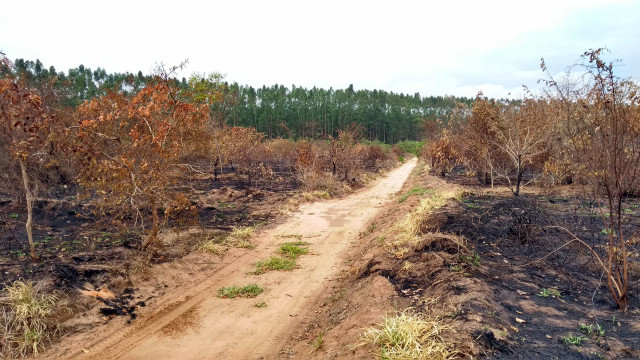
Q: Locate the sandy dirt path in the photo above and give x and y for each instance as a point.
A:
(204, 326)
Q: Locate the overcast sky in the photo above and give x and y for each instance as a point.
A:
(431, 47)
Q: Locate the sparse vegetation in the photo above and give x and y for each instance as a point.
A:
(545, 293)
(241, 237)
(472, 259)
(240, 234)
(293, 250)
(274, 263)
(317, 342)
(576, 340)
(213, 247)
(248, 291)
(418, 190)
(586, 329)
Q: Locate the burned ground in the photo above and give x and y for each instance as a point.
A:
(489, 266)
(79, 248)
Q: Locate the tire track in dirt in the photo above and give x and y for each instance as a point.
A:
(206, 327)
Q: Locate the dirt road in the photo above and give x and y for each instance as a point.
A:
(206, 327)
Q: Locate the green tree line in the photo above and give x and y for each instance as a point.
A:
(277, 111)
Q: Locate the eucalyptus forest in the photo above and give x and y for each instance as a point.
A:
(277, 110)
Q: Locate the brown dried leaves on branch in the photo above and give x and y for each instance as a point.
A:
(24, 138)
(130, 149)
(601, 124)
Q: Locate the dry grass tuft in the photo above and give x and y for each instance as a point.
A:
(413, 225)
(26, 324)
(213, 246)
(410, 335)
(316, 194)
(241, 234)
(241, 237)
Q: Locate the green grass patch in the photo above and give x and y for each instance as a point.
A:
(418, 190)
(274, 263)
(293, 250)
(248, 291)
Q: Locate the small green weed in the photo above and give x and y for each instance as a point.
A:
(261, 304)
(249, 291)
(586, 329)
(576, 340)
(371, 228)
(339, 295)
(606, 232)
(473, 259)
(13, 216)
(545, 293)
(317, 342)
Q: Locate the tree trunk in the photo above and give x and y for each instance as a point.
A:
(491, 172)
(519, 176)
(29, 196)
(151, 242)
